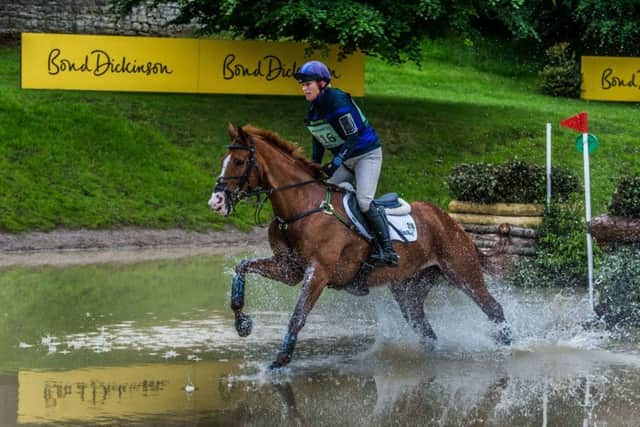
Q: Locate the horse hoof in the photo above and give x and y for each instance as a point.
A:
(428, 344)
(244, 325)
(275, 366)
(504, 335)
(282, 360)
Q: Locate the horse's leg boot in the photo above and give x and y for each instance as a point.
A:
(378, 222)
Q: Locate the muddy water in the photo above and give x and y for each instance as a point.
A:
(153, 344)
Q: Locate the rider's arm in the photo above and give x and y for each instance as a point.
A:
(347, 121)
(317, 151)
(348, 146)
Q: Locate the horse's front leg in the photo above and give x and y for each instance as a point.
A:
(282, 269)
(315, 280)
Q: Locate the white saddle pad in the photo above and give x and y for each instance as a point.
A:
(403, 224)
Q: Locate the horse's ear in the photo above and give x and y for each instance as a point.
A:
(233, 134)
(242, 135)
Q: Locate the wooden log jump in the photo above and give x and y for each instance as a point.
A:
(520, 221)
(497, 209)
(609, 229)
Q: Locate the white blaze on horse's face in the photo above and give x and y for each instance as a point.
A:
(217, 202)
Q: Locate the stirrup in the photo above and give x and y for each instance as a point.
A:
(391, 258)
(384, 259)
(377, 259)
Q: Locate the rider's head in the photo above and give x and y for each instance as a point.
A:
(313, 76)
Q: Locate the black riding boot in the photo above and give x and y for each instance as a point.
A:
(386, 255)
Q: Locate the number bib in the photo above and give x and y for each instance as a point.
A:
(324, 133)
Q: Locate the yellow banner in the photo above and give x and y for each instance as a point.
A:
(148, 64)
(91, 395)
(609, 78)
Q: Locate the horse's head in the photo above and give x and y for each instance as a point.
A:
(239, 175)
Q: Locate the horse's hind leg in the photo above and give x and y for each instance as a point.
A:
(467, 275)
(410, 295)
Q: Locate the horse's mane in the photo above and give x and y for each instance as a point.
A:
(275, 140)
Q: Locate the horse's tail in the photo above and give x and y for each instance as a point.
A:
(488, 263)
(485, 260)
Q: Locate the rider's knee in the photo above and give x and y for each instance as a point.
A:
(365, 202)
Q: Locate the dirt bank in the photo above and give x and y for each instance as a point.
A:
(68, 247)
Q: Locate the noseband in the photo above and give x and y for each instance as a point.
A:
(234, 196)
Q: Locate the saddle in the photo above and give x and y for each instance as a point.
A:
(402, 227)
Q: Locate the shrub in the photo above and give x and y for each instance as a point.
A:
(618, 285)
(512, 182)
(474, 182)
(625, 200)
(561, 254)
(563, 184)
(561, 75)
(520, 181)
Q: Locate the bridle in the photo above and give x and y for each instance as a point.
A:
(232, 197)
(242, 191)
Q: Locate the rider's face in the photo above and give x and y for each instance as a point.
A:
(311, 90)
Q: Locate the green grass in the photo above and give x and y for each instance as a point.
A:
(102, 160)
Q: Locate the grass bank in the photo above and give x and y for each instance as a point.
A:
(102, 160)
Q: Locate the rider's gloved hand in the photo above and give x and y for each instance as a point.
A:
(330, 168)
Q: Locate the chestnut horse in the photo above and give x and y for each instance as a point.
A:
(319, 250)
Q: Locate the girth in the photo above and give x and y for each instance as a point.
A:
(325, 207)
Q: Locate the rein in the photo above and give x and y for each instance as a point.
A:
(325, 207)
(233, 197)
(267, 193)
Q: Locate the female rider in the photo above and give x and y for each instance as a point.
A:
(338, 125)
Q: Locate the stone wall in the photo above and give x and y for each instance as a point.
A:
(9, 400)
(86, 17)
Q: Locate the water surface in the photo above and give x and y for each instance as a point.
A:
(153, 343)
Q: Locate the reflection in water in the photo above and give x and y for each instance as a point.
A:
(356, 362)
(369, 390)
(132, 392)
(445, 392)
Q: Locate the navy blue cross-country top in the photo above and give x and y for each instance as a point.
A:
(336, 123)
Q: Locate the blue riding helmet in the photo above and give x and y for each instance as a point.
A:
(313, 70)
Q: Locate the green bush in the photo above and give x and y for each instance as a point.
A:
(561, 74)
(522, 182)
(512, 182)
(618, 285)
(561, 254)
(626, 197)
(474, 182)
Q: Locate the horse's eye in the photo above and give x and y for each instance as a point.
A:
(238, 162)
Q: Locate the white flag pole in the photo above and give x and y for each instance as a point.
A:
(587, 204)
(548, 164)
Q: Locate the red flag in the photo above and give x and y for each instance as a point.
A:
(577, 122)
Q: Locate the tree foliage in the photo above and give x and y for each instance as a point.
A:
(386, 28)
(393, 29)
(609, 28)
